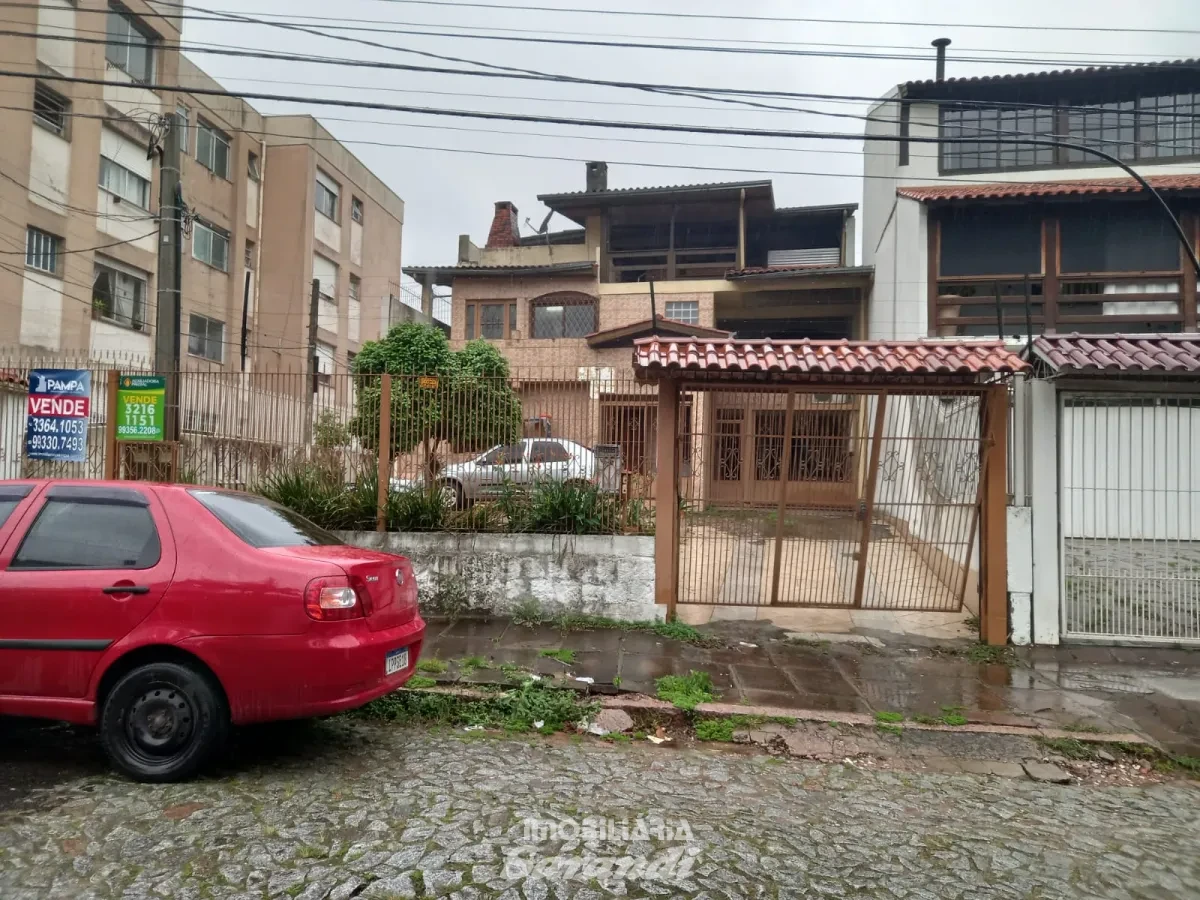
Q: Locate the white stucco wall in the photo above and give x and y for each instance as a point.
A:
(127, 98)
(109, 340)
(56, 17)
(41, 311)
(327, 231)
(596, 575)
(356, 243)
(49, 170)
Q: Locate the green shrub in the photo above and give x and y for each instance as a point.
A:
(307, 490)
(416, 510)
(513, 710)
(570, 507)
(686, 691)
(714, 730)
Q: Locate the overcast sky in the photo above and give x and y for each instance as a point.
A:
(450, 193)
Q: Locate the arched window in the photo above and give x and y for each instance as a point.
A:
(563, 314)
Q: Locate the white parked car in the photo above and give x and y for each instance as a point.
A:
(522, 464)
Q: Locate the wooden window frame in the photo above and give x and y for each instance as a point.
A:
(473, 321)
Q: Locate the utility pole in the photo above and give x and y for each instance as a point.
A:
(310, 388)
(170, 282)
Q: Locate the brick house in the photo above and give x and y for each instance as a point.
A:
(707, 260)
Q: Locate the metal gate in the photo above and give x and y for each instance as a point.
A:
(1129, 501)
(837, 498)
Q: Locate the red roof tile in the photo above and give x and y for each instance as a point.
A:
(837, 358)
(1130, 354)
(1048, 188)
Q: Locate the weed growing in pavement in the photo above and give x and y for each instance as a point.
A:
(722, 729)
(434, 665)
(528, 612)
(922, 719)
(887, 728)
(469, 664)
(512, 710)
(953, 719)
(420, 681)
(566, 657)
(1082, 727)
(886, 716)
(982, 654)
(686, 691)
(418, 882)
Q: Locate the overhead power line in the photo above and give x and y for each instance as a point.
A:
(725, 17)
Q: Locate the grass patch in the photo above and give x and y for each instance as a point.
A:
(982, 655)
(888, 717)
(888, 728)
(469, 664)
(722, 729)
(530, 614)
(1081, 727)
(512, 710)
(922, 719)
(566, 657)
(686, 691)
(954, 719)
(420, 681)
(1165, 763)
(434, 665)
(309, 852)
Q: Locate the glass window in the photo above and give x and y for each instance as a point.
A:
(252, 167)
(183, 119)
(261, 523)
(42, 250)
(991, 242)
(327, 196)
(504, 455)
(355, 287)
(72, 534)
(10, 496)
(326, 354)
(120, 181)
(212, 149)
(548, 452)
(564, 317)
(491, 321)
(1117, 240)
(470, 321)
(130, 46)
(119, 296)
(210, 245)
(206, 337)
(50, 109)
(356, 210)
(686, 311)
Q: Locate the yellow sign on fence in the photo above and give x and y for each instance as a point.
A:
(427, 382)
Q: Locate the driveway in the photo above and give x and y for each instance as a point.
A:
(346, 809)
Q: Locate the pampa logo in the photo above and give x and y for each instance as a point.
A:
(48, 384)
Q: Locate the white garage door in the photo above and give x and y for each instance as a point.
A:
(1130, 502)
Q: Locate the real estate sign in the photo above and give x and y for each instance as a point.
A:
(58, 408)
(140, 406)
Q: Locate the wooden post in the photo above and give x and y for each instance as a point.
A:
(783, 488)
(993, 532)
(384, 451)
(860, 575)
(666, 533)
(112, 468)
(1188, 295)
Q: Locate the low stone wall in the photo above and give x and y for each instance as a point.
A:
(499, 573)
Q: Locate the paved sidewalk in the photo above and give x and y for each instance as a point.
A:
(1151, 692)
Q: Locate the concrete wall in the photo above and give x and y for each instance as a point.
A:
(596, 575)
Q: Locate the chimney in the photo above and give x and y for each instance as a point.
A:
(506, 229)
(941, 44)
(597, 176)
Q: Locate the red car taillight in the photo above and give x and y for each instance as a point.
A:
(331, 599)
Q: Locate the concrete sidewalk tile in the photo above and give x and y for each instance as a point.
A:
(1046, 772)
(991, 767)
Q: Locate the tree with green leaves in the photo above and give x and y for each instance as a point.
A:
(464, 399)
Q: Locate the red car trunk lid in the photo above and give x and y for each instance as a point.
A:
(384, 581)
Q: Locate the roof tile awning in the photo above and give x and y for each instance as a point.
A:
(859, 361)
(624, 335)
(1120, 354)
(1003, 190)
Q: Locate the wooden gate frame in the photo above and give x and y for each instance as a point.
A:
(993, 497)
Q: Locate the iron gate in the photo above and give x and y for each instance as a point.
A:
(807, 497)
(1129, 501)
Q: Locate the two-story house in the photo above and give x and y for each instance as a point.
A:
(707, 260)
(974, 238)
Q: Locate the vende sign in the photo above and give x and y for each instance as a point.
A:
(72, 407)
(56, 424)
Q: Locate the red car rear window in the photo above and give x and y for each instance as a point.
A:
(261, 523)
(10, 496)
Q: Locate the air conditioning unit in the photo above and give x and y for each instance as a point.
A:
(608, 467)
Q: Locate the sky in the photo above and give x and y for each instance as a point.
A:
(448, 192)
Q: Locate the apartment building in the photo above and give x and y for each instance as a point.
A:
(273, 203)
(708, 260)
(971, 238)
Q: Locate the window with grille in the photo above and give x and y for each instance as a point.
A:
(206, 337)
(728, 445)
(50, 109)
(210, 245)
(490, 320)
(212, 149)
(42, 250)
(119, 296)
(121, 182)
(130, 45)
(327, 196)
(566, 315)
(356, 210)
(686, 311)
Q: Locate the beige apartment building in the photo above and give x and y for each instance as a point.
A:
(273, 202)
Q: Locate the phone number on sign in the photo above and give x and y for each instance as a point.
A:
(67, 427)
(136, 430)
(56, 443)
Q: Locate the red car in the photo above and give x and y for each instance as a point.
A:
(165, 613)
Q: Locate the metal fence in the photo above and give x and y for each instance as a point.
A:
(539, 450)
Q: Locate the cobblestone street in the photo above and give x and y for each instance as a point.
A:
(339, 810)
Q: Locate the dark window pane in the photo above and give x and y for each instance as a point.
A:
(6, 508)
(547, 321)
(506, 455)
(491, 321)
(261, 523)
(548, 452)
(470, 321)
(991, 242)
(1120, 240)
(69, 534)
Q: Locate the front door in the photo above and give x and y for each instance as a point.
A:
(86, 567)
